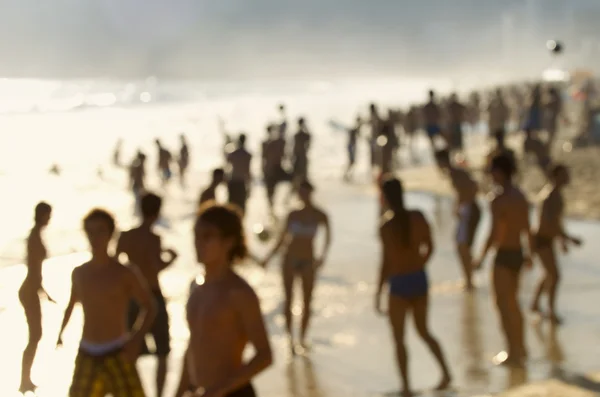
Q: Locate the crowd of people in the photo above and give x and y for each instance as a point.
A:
(121, 296)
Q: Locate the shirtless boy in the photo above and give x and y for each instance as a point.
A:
(467, 211)
(550, 229)
(108, 349)
(239, 174)
(144, 252)
(223, 313)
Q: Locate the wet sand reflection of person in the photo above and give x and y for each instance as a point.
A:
(304, 376)
(475, 369)
(31, 289)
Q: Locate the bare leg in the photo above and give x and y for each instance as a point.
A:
(548, 262)
(464, 253)
(506, 284)
(33, 314)
(308, 283)
(553, 278)
(398, 308)
(161, 375)
(420, 310)
(288, 285)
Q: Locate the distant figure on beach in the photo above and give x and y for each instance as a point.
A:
(29, 293)
(467, 212)
(184, 159)
(299, 260)
(164, 162)
(498, 114)
(223, 313)
(388, 143)
(239, 179)
(432, 115)
(144, 253)
(472, 111)
(551, 229)
(534, 112)
(553, 109)
(533, 146)
(137, 177)
(272, 156)
(374, 122)
(210, 193)
(302, 140)
(407, 246)
(117, 153)
(411, 125)
(105, 362)
(282, 120)
(353, 134)
(510, 223)
(457, 114)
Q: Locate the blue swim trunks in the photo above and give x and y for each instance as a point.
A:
(410, 285)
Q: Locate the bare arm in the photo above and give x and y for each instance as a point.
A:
(73, 299)
(141, 294)
(162, 265)
(492, 237)
(383, 272)
(248, 309)
(282, 238)
(428, 240)
(327, 240)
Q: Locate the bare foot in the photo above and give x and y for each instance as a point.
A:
(446, 380)
(27, 385)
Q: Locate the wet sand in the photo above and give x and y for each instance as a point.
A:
(352, 352)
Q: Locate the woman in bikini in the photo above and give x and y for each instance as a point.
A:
(299, 259)
(30, 291)
(406, 247)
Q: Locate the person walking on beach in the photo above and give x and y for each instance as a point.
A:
(407, 246)
(432, 115)
(137, 176)
(411, 125)
(498, 114)
(456, 117)
(239, 174)
(467, 211)
(29, 293)
(389, 145)
(375, 124)
(184, 159)
(273, 155)
(300, 148)
(510, 222)
(210, 193)
(300, 260)
(164, 162)
(282, 126)
(144, 252)
(554, 111)
(223, 313)
(353, 134)
(550, 229)
(105, 362)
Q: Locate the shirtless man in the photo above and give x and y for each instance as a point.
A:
(209, 194)
(411, 125)
(432, 116)
(510, 223)
(273, 155)
(353, 134)
(390, 144)
(184, 159)
(467, 211)
(375, 123)
(300, 151)
(108, 349)
(144, 253)
(550, 229)
(164, 162)
(137, 176)
(456, 117)
(223, 314)
(239, 174)
(283, 121)
(498, 114)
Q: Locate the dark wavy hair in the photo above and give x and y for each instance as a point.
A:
(227, 219)
(393, 191)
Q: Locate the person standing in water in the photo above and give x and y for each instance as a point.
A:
(300, 148)
(550, 229)
(456, 117)
(29, 293)
(498, 114)
(164, 162)
(375, 123)
(105, 362)
(467, 211)
(239, 174)
(273, 155)
(300, 260)
(432, 115)
(407, 246)
(137, 176)
(353, 134)
(510, 223)
(144, 252)
(410, 123)
(184, 159)
(223, 313)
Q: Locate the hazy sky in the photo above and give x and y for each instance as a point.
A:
(265, 38)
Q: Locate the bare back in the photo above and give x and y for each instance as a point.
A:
(432, 113)
(239, 161)
(550, 223)
(36, 253)
(464, 185)
(143, 249)
(401, 258)
(510, 218)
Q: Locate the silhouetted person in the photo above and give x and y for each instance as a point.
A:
(239, 174)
